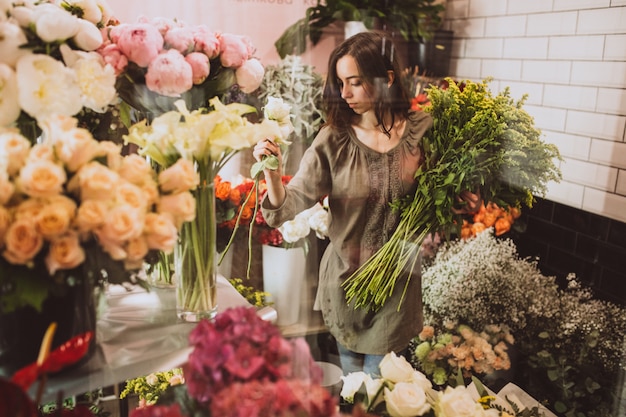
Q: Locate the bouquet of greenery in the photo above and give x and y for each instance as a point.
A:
(478, 142)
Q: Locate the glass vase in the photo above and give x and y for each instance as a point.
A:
(195, 257)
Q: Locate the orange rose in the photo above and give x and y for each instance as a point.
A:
(235, 196)
(222, 190)
(502, 226)
(478, 227)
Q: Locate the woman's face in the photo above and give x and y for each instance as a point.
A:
(353, 89)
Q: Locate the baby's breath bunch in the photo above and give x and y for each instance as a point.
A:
(478, 142)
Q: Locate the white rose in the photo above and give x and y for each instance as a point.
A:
(46, 87)
(406, 400)
(396, 368)
(421, 380)
(52, 23)
(295, 229)
(11, 37)
(351, 385)
(9, 104)
(276, 109)
(250, 75)
(458, 402)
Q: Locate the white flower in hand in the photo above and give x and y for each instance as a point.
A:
(276, 109)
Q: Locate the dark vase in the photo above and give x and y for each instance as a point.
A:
(432, 56)
(22, 330)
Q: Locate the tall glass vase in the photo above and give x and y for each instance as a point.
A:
(195, 256)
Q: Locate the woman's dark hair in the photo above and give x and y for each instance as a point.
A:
(375, 55)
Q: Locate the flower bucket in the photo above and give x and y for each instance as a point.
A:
(195, 259)
(22, 330)
(284, 271)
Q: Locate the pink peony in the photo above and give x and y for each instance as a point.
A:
(169, 74)
(200, 66)
(250, 75)
(181, 39)
(113, 56)
(206, 42)
(140, 42)
(235, 50)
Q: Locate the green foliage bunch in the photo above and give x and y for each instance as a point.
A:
(480, 143)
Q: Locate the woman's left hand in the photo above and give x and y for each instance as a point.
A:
(469, 202)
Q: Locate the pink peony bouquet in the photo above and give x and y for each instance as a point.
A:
(158, 61)
(240, 366)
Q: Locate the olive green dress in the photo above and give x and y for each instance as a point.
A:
(360, 184)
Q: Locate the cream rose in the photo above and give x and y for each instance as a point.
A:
(180, 207)
(22, 242)
(396, 368)
(42, 178)
(65, 252)
(406, 400)
(351, 385)
(179, 177)
(160, 232)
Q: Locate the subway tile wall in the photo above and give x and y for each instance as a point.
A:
(569, 57)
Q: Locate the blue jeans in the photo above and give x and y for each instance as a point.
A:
(355, 362)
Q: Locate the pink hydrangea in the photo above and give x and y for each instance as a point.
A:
(169, 74)
(200, 66)
(140, 42)
(234, 50)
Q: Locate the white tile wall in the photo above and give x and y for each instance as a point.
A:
(611, 101)
(609, 153)
(621, 183)
(570, 56)
(531, 48)
(576, 47)
(615, 47)
(606, 204)
(567, 96)
(605, 126)
(592, 175)
(602, 21)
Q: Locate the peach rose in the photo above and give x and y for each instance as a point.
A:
(41, 151)
(180, 207)
(22, 242)
(135, 169)
(90, 215)
(121, 224)
(115, 249)
(6, 190)
(75, 148)
(151, 192)
(160, 232)
(113, 154)
(15, 147)
(136, 250)
(169, 74)
(53, 221)
(179, 177)
(5, 220)
(94, 181)
(131, 195)
(42, 178)
(65, 252)
(29, 209)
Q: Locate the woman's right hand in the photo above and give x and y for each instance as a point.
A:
(268, 147)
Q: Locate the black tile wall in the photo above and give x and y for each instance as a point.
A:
(565, 240)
